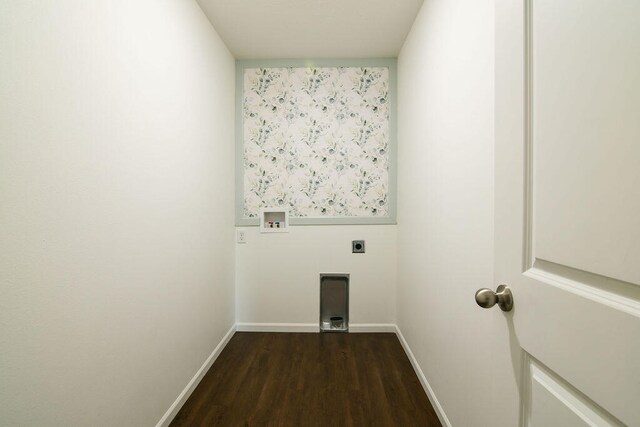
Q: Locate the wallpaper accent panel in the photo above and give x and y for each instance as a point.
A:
(316, 141)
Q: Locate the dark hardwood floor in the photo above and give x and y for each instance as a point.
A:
(304, 379)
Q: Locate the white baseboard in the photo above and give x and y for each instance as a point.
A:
(312, 327)
(423, 380)
(277, 327)
(372, 327)
(182, 397)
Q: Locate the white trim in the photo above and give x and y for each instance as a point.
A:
(277, 327)
(184, 395)
(372, 327)
(611, 292)
(312, 327)
(423, 380)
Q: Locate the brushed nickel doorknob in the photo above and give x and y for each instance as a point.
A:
(486, 298)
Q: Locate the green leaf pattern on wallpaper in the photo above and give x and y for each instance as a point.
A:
(316, 141)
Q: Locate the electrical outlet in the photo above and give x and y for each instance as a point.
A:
(357, 246)
(241, 236)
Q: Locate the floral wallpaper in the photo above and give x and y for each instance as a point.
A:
(316, 141)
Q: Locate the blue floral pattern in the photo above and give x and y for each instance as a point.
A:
(316, 141)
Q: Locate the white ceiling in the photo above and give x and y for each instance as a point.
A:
(257, 29)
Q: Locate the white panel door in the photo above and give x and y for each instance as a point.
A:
(568, 205)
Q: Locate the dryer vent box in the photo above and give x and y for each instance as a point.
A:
(334, 302)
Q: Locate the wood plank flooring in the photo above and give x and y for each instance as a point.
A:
(305, 379)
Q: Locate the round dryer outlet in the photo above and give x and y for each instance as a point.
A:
(357, 246)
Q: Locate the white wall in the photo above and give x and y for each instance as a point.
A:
(277, 274)
(445, 211)
(116, 213)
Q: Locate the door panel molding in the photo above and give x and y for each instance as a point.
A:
(544, 387)
(611, 292)
(527, 252)
(547, 145)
